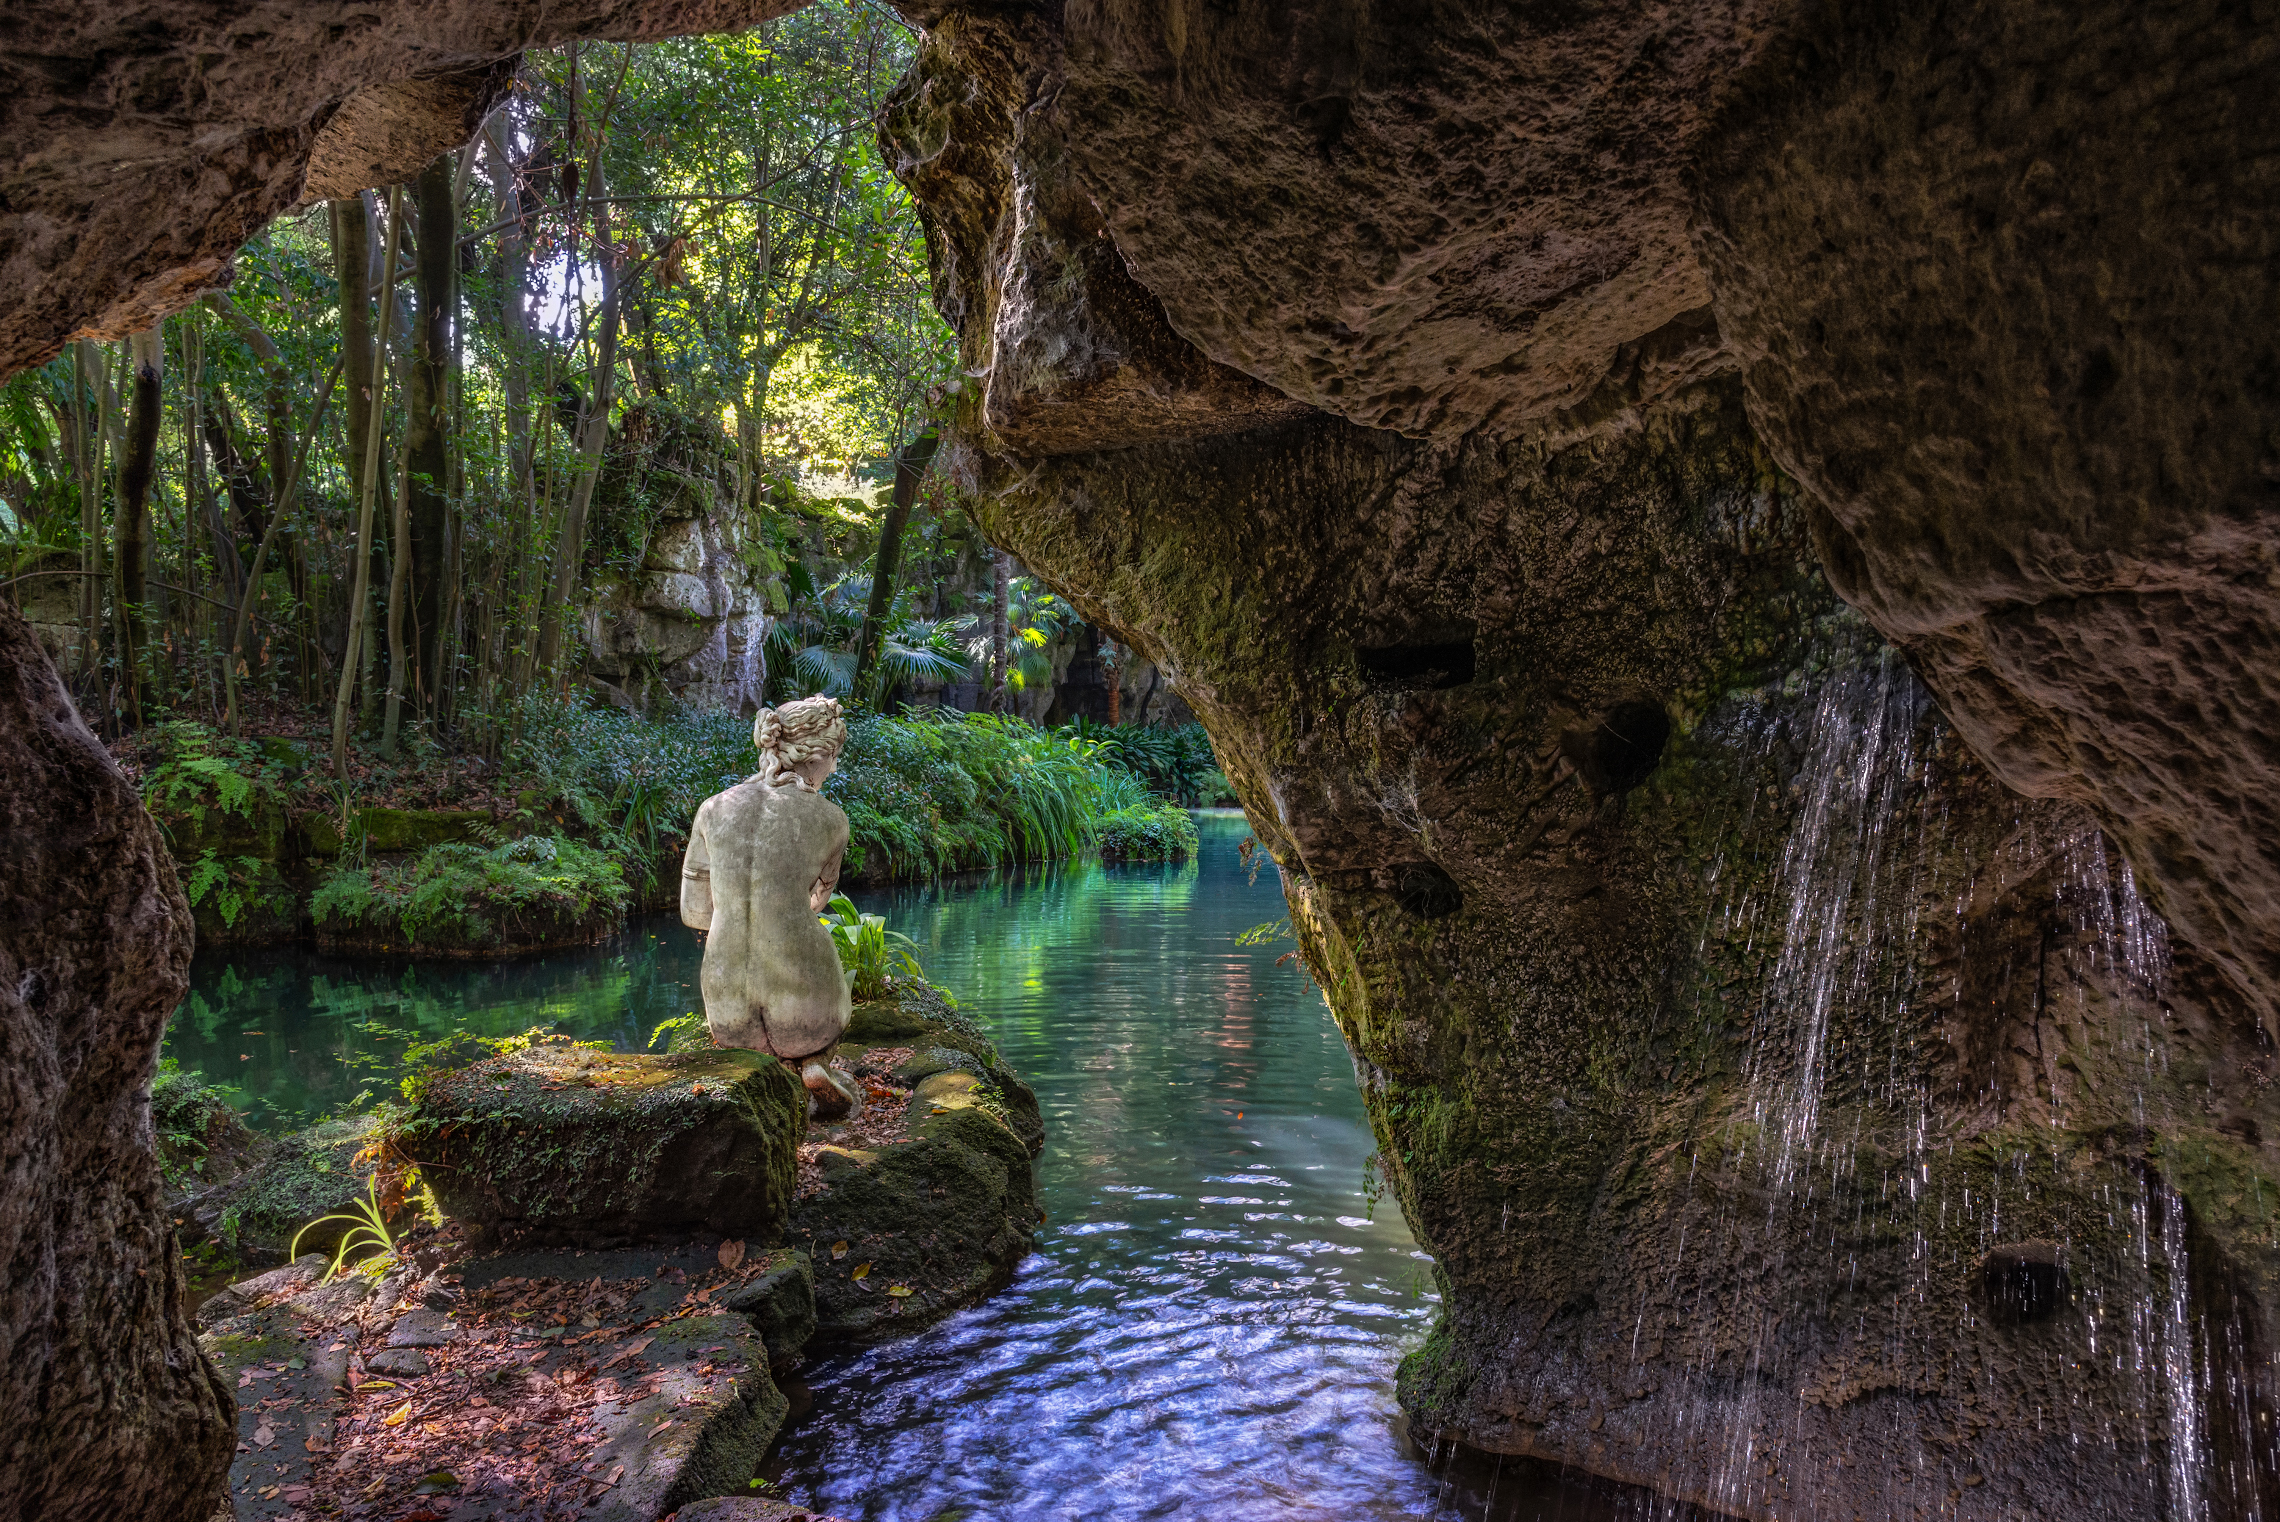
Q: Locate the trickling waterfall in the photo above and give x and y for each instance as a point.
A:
(1859, 760)
(1840, 919)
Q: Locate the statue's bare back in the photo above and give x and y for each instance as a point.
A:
(763, 860)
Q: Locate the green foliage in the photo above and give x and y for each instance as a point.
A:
(812, 648)
(187, 1110)
(1150, 832)
(367, 1238)
(461, 894)
(935, 792)
(869, 952)
(1177, 762)
(200, 773)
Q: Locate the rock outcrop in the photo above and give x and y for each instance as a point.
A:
(113, 1410)
(1789, 1105)
(145, 146)
(678, 609)
(561, 1144)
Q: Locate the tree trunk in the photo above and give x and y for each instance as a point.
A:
(87, 371)
(399, 583)
(427, 433)
(361, 582)
(1001, 631)
(113, 1412)
(352, 266)
(910, 469)
(131, 524)
(593, 434)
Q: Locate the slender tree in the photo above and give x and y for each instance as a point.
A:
(427, 419)
(131, 529)
(361, 582)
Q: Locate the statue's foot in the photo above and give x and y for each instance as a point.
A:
(832, 1095)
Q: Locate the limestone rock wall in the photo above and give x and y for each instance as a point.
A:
(1798, 1114)
(1731, 1036)
(680, 607)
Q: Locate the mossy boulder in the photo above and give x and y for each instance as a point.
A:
(259, 829)
(929, 1225)
(914, 1013)
(389, 830)
(563, 1144)
(298, 1180)
(780, 1304)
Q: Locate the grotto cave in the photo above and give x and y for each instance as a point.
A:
(1731, 554)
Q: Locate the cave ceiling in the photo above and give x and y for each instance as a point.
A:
(1997, 280)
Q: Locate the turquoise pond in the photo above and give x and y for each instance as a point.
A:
(1210, 1324)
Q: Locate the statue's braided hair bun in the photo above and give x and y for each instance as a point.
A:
(798, 731)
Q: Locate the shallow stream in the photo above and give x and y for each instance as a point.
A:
(1210, 1324)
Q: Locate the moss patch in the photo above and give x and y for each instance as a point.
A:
(557, 1143)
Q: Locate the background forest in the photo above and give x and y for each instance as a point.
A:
(508, 493)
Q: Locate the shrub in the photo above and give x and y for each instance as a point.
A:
(463, 895)
(1177, 762)
(1151, 832)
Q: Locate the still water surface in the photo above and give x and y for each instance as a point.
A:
(1210, 1324)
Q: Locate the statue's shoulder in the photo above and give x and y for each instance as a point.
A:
(734, 800)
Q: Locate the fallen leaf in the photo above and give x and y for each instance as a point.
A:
(838, 1251)
(898, 1290)
(245, 1377)
(630, 1350)
(264, 1435)
(615, 1474)
(270, 1494)
(731, 1254)
(395, 1418)
(378, 1384)
(860, 1271)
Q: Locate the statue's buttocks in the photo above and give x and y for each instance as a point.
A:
(760, 855)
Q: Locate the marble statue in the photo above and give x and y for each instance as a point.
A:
(763, 860)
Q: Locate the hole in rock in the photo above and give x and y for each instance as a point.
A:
(1622, 750)
(1446, 663)
(2022, 1283)
(1427, 892)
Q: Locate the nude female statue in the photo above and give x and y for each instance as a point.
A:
(763, 860)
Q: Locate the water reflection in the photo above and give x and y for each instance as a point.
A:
(1211, 1322)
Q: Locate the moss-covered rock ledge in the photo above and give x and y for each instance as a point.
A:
(560, 1143)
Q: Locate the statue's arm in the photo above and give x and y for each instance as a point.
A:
(696, 880)
(827, 880)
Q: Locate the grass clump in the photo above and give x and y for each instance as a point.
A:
(536, 890)
(1149, 832)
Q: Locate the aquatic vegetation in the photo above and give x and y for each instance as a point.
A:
(868, 951)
